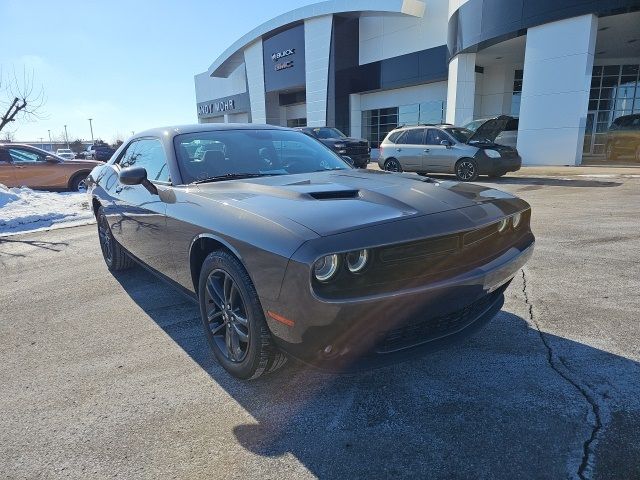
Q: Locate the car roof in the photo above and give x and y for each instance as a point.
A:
(174, 130)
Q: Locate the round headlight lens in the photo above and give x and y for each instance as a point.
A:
(356, 261)
(325, 268)
(516, 219)
(492, 153)
(502, 226)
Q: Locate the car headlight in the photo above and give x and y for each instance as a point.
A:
(356, 261)
(492, 153)
(502, 225)
(325, 268)
(516, 219)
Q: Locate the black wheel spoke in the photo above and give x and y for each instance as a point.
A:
(214, 292)
(226, 316)
(242, 336)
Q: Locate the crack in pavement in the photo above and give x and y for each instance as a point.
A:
(585, 468)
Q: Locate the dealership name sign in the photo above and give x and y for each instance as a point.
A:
(222, 106)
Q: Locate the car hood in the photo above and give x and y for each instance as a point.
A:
(490, 129)
(333, 202)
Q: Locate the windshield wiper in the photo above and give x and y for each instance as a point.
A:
(234, 176)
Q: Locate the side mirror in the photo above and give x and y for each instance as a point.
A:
(137, 176)
(446, 143)
(51, 159)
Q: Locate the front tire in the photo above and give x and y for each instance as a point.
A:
(466, 170)
(114, 255)
(233, 319)
(392, 165)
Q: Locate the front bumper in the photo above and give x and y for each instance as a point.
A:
(343, 335)
(360, 160)
(488, 166)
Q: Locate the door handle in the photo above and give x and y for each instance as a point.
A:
(426, 150)
(398, 149)
(119, 189)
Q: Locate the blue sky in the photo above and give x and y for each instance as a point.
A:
(129, 65)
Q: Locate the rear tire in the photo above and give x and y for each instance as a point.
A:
(233, 319)
(114, 255)
(466, 170)
(392, 165)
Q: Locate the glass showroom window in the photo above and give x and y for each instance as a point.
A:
(517, 93)
(615, 91)
(376, 124)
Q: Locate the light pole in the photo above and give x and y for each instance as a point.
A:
(91, 127)
(66, 136)
(41, 142)
(50, 144)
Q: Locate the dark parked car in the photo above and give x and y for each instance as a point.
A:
(290, 250)
(357, 149)
(103, 153)
(623, 138)
(448, 149)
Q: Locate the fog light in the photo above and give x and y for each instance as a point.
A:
(516, 219)
(356, 261)
(325, 268)
(502, 226)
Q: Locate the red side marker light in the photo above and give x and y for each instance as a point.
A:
(280, 318)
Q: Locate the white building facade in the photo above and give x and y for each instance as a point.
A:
(565, 68)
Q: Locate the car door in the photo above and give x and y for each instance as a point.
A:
(409, 149)
(7, 175)
(138, 219)
(438, 158)
(31, 169)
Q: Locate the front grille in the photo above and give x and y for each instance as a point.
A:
(357, 149)
(414, 334)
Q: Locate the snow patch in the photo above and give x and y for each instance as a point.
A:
(25, 210)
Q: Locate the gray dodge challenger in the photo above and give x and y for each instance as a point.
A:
(290, 251)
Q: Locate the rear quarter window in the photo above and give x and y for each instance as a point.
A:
(393, 136)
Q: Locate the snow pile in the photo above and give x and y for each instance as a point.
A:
(23, 210)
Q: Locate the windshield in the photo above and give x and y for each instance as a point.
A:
(327, 132)
(460, 134)
(473, 126)
(251, 153)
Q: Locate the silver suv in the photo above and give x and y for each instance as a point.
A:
(448, 149)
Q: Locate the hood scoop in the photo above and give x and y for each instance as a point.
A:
(335, 194)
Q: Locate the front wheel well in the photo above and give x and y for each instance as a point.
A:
(95, 205)
(200, 249)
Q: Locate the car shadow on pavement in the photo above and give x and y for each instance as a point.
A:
(500, 405)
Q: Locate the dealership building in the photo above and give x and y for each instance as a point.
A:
(566, 68)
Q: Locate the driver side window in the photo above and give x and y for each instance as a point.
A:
(21, 155)
(147, 153)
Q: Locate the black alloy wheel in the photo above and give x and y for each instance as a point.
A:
(114, 255)
(392, 165)
(466, 170)
(78, 184)
(227, 316)
(104, 234)
(233, 318)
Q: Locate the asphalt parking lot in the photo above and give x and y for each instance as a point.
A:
(107, 376)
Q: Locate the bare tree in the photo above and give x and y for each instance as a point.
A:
(23, 101)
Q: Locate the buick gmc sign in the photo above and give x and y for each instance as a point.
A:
(285, 53)
(283, 60)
